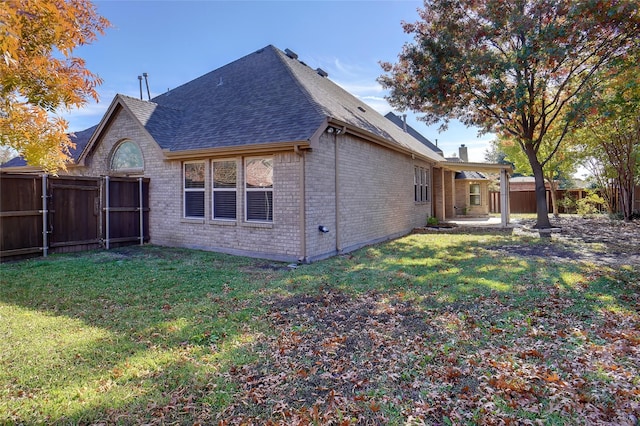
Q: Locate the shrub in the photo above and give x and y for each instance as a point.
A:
(589, 205)
(432, 221)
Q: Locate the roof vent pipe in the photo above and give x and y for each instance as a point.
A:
(145, 75)
(140, 81)
(404, 122)
(291, 53)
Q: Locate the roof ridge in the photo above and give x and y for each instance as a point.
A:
(281, 56)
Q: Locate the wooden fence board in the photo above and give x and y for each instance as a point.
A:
(75, 213)
(21, 214)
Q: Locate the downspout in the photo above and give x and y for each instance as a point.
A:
(303, 204)
(337, 191)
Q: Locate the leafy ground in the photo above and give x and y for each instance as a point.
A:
(427, 329)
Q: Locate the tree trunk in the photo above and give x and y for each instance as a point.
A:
(542, 218)
(554, 196)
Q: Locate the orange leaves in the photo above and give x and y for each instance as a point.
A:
(38, 75)
(531, 353)
(552, 378)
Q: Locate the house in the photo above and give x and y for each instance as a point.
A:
(268, 157)
(470, 187)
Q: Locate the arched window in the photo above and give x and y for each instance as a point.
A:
(126, 157)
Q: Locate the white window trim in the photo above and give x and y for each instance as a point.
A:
(127, 169)
(247, 190)
(185, 190)
(421, 182)
(478, 194)
(214, 189)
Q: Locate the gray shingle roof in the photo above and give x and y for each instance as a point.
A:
(398, 121)
(264, 97)
(252, 100)
(467, 174)
(80, 138)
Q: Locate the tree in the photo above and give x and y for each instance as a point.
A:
(561, 166)
(511, 67)
(611, 133)
(39, 76)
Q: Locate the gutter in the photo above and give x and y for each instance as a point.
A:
(382, 141)
(236, 150)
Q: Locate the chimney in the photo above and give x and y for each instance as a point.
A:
(464, 156)
(404, 122)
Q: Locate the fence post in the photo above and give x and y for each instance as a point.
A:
(140, 202)
(45, 212)
(106, 211)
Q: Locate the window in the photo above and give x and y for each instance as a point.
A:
(421, 184)
(224, 189)
(194, 190)
(474, 194)
(127, 156)
(259, 189)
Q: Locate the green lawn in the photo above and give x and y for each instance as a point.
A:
(440, 329)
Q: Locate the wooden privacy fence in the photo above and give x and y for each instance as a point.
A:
(525, 201)
(519, 202)
(44, 214)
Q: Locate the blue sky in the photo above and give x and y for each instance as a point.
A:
(177, 41)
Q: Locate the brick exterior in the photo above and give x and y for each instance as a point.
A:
(462, 197)
(375, 197)
(278, 240)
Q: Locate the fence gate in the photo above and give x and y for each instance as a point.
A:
(42, 214)
(73, 214)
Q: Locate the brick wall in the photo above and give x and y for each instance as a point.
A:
(375, 199)
(278, 240)
(462, 198)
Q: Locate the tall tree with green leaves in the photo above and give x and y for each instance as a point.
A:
(561, 166)
(39, 75)
(611, 132)
(515, 68)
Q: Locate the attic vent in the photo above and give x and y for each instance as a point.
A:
(322, 72)
(362, 109)
(291, 54)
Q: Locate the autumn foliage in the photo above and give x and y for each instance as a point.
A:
(39, 75)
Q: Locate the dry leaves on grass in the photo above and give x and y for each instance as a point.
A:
(379, 359)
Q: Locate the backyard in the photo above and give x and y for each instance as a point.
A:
(427, 329)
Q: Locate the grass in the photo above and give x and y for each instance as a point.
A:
(443, 328)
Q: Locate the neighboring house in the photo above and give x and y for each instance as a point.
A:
(524, 183)
(267, 157)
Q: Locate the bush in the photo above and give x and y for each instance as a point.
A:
(432, 221)
(589, 205)
(568, 203)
